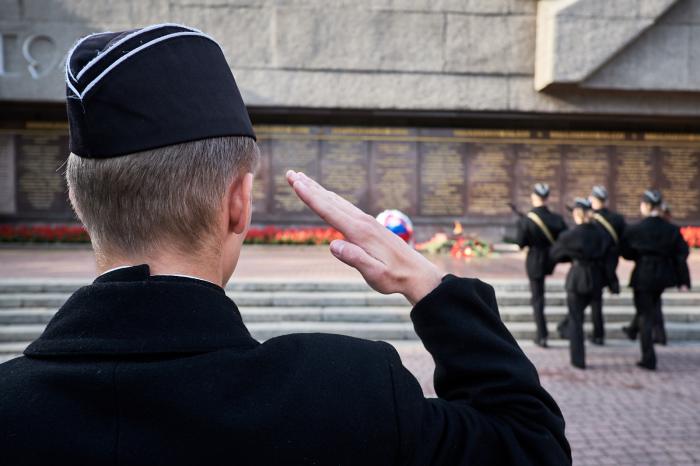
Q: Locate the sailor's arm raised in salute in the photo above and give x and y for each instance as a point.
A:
(491, 408)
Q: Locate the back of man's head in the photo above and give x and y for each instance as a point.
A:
(165, 197)
(159, 132)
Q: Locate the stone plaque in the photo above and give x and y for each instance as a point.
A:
(7, 175)
(634, 174)
(679, 180)
(435, 175)
(344, 167)
(538, 163)
(41, 188)
(584, 167)
(291, 154)
(394, 176)
(442, 179)
(490, 179)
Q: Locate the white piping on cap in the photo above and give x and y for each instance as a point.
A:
(124, 39)
(135, 51)
(69, 71)
(72, 88)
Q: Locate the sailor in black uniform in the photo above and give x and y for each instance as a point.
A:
(660, 253)
(586, 247)
(538, 230)
(613, 224)
(658, 332)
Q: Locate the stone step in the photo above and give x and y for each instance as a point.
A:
(374, 331)
(70, 285)
(10, 316)
(52, 285)
(27, 315)
(11, 348)
(611, 313)
(15, 333)
(344, 299)
(623, 299)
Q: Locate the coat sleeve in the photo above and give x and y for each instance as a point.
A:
(627, 249)
(681, 259)
(559, 252)
(491, 408)
(521, 237)
(562, 227)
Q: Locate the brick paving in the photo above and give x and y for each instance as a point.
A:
(615, 413)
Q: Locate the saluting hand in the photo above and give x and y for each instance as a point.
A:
(386, 262)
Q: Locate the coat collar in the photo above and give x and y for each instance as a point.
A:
(128, 311)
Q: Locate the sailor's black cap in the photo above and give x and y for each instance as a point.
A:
(582, 203)
(600, 192)
(542, 190)
(652, 196)
(145, 88)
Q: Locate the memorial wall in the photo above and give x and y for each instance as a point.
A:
(434, 175)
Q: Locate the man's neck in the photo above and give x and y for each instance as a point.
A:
(166, 266)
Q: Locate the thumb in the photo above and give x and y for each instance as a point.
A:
(354, 256)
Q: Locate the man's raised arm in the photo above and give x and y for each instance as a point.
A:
(491, 408)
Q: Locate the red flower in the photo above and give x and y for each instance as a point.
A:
(691, 236)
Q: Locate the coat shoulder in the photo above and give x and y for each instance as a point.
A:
(326, 348)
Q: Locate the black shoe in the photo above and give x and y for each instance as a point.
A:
(541, 342)
(631, 334)
(563, 329)
(581, 366)
(599, 341)
(646, 366)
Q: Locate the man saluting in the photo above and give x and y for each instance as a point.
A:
(152, 363)
(538, 230)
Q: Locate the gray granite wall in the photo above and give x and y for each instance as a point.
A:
(465, 55)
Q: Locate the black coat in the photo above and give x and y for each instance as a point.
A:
(617, 222)
(529, 234)
(586, 247)
(138, 369)
(659, 252)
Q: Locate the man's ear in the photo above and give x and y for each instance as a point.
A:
(240, 205)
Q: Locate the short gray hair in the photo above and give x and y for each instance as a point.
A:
(160, 198)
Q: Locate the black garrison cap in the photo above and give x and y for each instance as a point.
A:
(152, 87)
(600, 192)
(580, 203)
(542, 190)
(652, 196)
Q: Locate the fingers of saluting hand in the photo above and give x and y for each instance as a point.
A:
(354, 256)
(333, 209)
(386, 262)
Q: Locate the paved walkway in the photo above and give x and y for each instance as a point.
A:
(616, 413)
(279, 263)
